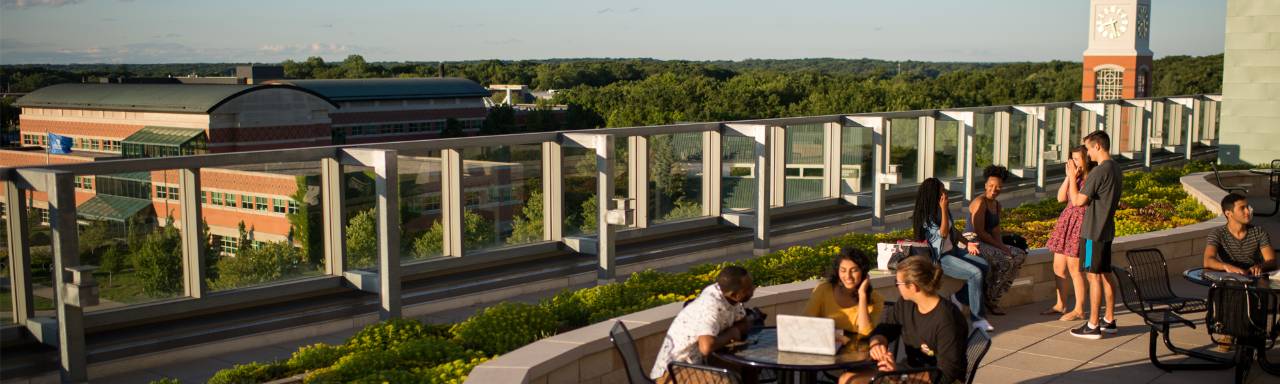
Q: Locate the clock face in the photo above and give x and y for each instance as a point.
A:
(1144, 21)
(1111, 22)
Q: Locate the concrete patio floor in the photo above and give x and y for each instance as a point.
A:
(1030, 348)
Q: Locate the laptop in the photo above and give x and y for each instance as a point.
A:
(815, 335)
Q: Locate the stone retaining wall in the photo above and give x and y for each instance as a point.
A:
(586, 355)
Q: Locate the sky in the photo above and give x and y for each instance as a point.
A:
(269, 31)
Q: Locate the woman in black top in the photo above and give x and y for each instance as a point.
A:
(932, 329)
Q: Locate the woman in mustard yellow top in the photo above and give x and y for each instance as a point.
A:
(846, 297)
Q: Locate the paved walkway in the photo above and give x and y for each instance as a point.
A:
(1026, 347)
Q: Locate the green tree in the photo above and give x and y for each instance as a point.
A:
(305, 223)
(157, 262)
(477, 233)
(362, 239)
(452, 128)
(268, 262)
(527, 226)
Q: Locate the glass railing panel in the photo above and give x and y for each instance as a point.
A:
(130, 227)
(1051, 138)
(904, 143)
(675, 177)
(262, 224)
(421, 209)
(804, 170)
(1018, 136)
(738, 173)
(857, 156)
(360, 218)
(580, 204)
(984, 140)
(502, 195)
(946, 145)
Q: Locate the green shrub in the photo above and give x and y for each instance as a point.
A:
(315, 356)
(430, 351)
(392, 376)
(250, 373)
(387, 335)
(454, 372)
(167, 380)
(363, 363)
(504, 327)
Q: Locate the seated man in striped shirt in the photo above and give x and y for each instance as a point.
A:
(1239, 247)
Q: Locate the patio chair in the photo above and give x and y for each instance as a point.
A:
(979, 343)
(907, 376)
(685, 373)
(626, 346)
(1160, 320)
(1248, 316)
(1242, 188)
(1151, 275)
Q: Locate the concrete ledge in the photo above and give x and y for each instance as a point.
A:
(588, 352)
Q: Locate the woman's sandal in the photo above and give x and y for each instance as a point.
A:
(1052, 311)
(1071, 316)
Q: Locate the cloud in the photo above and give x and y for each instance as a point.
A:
(509, 41)
(633, 10)
(603, 11)
(24, 4)
(23, 52)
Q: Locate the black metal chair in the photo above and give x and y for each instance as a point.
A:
(1247, 317)
(685, 373)
(1242, 188)
(1160, 319)
(626, 346)
(1151, 275)
(979, 343)
(907, 376)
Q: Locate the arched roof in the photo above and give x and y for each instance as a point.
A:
(173, 98)
(392, 88)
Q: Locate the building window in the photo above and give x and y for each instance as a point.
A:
(229, 245)
(1141, 90)
(216, 198)
(278, 206)
(260, 204)
(293, 206)
(246, 202)
(84, 182)
(1108, 84)
(166, 192)
(472, 199)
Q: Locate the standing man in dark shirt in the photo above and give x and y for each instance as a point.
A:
(1239, 247)
(932, 329)
(1100, 195)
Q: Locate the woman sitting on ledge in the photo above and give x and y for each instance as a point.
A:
(846, 297)
(932, 329)
(984, 220)
(931, 223)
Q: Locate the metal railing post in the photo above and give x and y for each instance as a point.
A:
(967, 122)
(764, 142)
(880, 153)
(832, 134)
(19, 256)
(194, 244)
(712, 172)
(552, 192)
(451, 202)
(607, 247)
(331, 200)
(387, 186)
(66, 254)
(777, 165)
(638, 177)
(1041, 119)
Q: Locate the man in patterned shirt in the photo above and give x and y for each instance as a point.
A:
(706, 324)
(1239, 247)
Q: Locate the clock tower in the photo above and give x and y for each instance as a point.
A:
(1117, 63)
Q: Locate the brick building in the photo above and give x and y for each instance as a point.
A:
(111, 121)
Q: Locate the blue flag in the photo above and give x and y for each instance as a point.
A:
(59, 145)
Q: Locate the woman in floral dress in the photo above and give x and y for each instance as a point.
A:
(1064, 242)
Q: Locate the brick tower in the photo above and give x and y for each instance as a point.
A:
(1117, 63)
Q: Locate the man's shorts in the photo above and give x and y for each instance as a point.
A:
(1095, 256)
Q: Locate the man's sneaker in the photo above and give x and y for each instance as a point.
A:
(1108, 326)
(983, 325)
(1087, 332)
